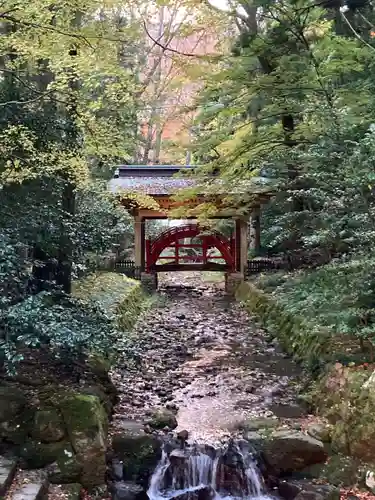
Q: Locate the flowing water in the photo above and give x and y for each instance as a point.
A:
(203, 473)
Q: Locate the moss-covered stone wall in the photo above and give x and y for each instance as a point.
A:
(294, 334)
(342, 395)
(63, 425)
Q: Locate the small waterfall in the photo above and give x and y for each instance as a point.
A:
(203, 473)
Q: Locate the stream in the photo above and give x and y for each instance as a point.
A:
(199, 355)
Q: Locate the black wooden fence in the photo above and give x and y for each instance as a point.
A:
(254, 266)
(128, 268)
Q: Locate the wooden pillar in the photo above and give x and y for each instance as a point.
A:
(139, 242)
(255, 231)
(237, 244)
(241, 244)
(244, 245)
(143, 245)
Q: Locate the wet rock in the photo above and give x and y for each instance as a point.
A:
(183, 435)
(117, 469)
(161, 417)
(206, 493)
(288, 451)
(303, 490)
(319, 431)
(172, 407)
(177, 457)
(256, 424)
(127, 491)
(210, 451)
(139, 452)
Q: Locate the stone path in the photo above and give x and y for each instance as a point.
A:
(202, 356)
(18, 484)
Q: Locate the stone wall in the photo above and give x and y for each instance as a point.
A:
(294, 334)
(59, 419)
(343, 396)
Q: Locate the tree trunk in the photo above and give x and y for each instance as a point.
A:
(68, 201)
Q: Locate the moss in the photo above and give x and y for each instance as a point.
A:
(340, 398)
(339, 470)
(114, 292)
(86, 422)
(82, 414)
(66, 468)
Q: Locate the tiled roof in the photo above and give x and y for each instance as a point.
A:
(150, 185)
(161, 180)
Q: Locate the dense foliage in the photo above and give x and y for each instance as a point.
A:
(288, 97)
(68, 114)
(293, 102)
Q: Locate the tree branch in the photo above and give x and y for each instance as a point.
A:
(166, 48)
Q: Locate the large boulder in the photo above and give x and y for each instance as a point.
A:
(15, 415)
(86, 423)
(161, 418)
(288, 450)
(66, 469)
(139, 452)
(304, 490)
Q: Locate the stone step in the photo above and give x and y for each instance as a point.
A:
(31, 491)
(65, 491)
(28, 485)
(8, 468)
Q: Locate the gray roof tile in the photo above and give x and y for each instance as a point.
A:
(150, 185)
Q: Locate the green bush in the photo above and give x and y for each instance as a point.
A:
(339, 297)
(91, 321)
(320, 314)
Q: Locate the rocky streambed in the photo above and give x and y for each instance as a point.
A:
(202, 371)
(199, 355)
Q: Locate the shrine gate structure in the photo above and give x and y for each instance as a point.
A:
(160, 183)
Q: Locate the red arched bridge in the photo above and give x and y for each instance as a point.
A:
(207, 250)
